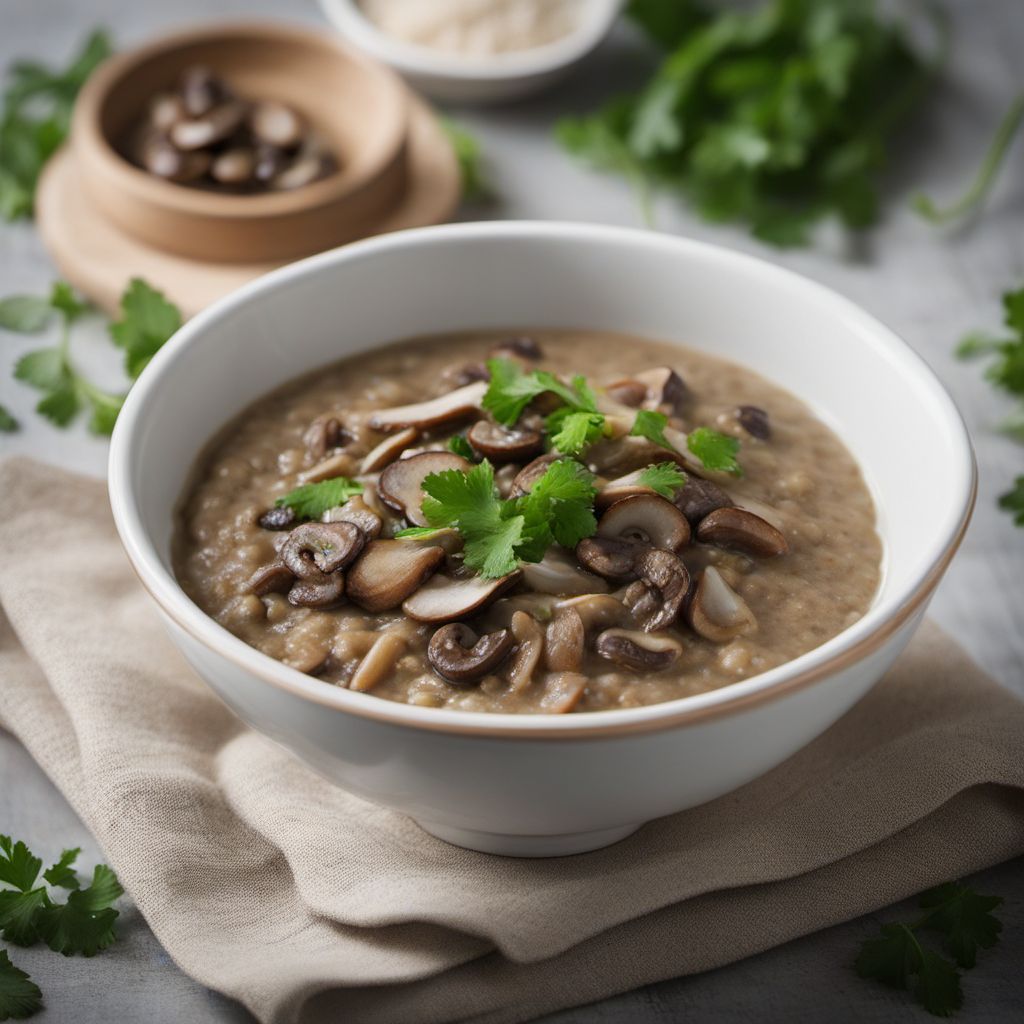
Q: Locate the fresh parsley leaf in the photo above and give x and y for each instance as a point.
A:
(775, 115)
(43, 369)
(25, 314)
(1013, 501)
(572, 431)
(415, 532)
(664, 478)
(60, 406)
(147, 321)
(18, 867)
(458, 445)
(311, 501)
(511, 390)
(19, 915)
(8, 424)
(716, 451)
(64, 300)
(651, 424)
(563, 498)
(63, 873)
(964, 917)
(475, 185)
(19, 995)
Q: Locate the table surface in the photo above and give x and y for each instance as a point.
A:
(930, 286)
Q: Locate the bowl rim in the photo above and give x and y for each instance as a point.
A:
(413, 60)
(89, 139)
(838, 653)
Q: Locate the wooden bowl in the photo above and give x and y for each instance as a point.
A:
(357, 106)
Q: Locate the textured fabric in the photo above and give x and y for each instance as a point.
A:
(307, 904)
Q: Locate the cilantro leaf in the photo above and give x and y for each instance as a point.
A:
(311, 501)
(716, 451)
(63, 873)
(19, 995)
(60, 406)
(664, 478)
(890, 959)
(1013, 501)
(651, 424)
(458, 445)
(938, 985)
(24, 314)
(8, 424)
(563, 498)
(18, 867)
(147, 321)
(572, 431)
(44, 369)
(965, 919)
(64, 300)
(19, 915)
(511, 390)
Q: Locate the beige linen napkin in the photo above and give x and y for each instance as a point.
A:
(268, 884)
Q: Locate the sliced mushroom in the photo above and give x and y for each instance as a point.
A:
(610, 557)
(388, 571)
(444, 598)
(271, 579)
(234, 166)
(211, 127)
(738, 528)
(304, 171)
(621, 487)
(159, 157)
(201, 90)
(389, 449)
(597, 611)
(504, 444)
(557, 573)
(521, 347)
(562, 692)
(341, 464)
(754, 420)
(278, 518)
(355, 510)
(467, 373)
(619, 456)
(647, 519)
(640, 652)
(317, 589)
(276, 124)
(330, 547)
(665, 387)
(629, 392)
(716, 611)
(455, 405)
(529, 638)
(401, 484)
(456, 652)
(698, 497)
(532, 472)
(378, 662)
(668, 583)
(323, 434)
(564, 641)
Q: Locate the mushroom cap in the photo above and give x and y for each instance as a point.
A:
(388, 450)
(597, 611)
(716, 611)
(668, 582)
(664, 387)
(611, 557)
(447, 408)
(648, 519)
(557, 573)
(273, 578)
(317, 592)
(401, 485)
(456, 653)
(325, 546)
(388, 571)
(738, 528)
(640, 652)
(356, 511)
(444, 598)
(754, 420)
(697, 497)
(504, 444)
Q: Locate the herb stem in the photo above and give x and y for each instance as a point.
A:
(984, 177)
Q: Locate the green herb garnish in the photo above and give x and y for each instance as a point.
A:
(651, 424)
(572, 430)
(311, 501)
(8, 424)
(716, 451)
(458, 445)
(498, 534)
(20, 996)
(511, 390)
(147, 321)
(664, 478)
(965, 922)
(776, 116)
(476, 187)
(25, 314)
(35, 121)
(1013, 501)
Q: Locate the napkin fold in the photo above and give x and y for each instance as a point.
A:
(267, 883)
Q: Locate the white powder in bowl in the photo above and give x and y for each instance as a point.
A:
(476, 27)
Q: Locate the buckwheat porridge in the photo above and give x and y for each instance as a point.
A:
(554, 522)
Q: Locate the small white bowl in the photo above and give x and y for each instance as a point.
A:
(542, 785)
(493, 78)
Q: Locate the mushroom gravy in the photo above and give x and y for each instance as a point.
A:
(730, 578)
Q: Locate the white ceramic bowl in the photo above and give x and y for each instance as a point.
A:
(464, 79)
(535, 784)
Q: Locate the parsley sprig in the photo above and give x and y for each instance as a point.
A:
(29, 913)
(664, 478)
(498, 533)
(898, 958)
(147, 321)
(311, 501)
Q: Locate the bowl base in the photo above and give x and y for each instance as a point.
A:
(527, 846)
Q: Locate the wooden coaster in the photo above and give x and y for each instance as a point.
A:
(99, 259)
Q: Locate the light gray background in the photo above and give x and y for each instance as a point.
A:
(931, 286)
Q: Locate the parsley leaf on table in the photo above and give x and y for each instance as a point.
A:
(35, 120)
(62, 873)
(18, 867)
(1013, 501)
(964, 917)
(311, 501)
(8, 424)
(776, 116)
(25, 314)
(716, 451)
(475, 185)
(147, 321)
(85, 923)
(664, 478)
(19, 995)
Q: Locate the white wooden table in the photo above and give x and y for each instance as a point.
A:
(929, 286)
